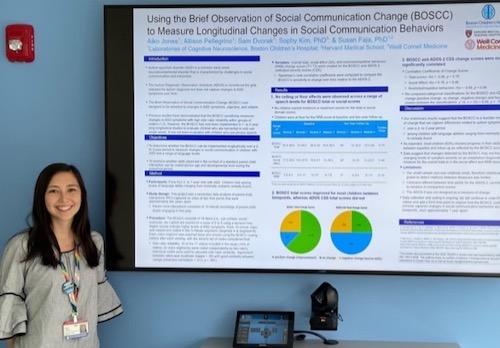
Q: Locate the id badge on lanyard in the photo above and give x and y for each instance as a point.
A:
(75, 327)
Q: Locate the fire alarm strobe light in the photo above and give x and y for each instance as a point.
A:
(20, 42)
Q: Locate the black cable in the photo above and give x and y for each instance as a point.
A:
(323, 338)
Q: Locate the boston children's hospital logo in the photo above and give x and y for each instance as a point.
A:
(488, 11)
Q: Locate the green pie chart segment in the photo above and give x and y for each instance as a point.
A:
(300, 231)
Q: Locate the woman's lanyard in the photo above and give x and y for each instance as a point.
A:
(71, 284)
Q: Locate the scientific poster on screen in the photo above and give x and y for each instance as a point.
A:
(306, 138)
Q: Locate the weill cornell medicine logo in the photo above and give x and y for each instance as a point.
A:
(470, 44)
(488, 11)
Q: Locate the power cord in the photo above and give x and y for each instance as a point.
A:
(301, 335)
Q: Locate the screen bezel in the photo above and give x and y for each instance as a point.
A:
(291, 321)
(119, 146)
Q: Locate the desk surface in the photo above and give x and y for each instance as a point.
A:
(226, 342)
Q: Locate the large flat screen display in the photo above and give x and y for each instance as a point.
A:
(303, 138)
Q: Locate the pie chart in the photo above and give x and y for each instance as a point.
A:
(351, 232)
(300, 231)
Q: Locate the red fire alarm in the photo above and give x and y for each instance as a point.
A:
(20, 42)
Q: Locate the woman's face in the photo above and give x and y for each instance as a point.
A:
(63, 197)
